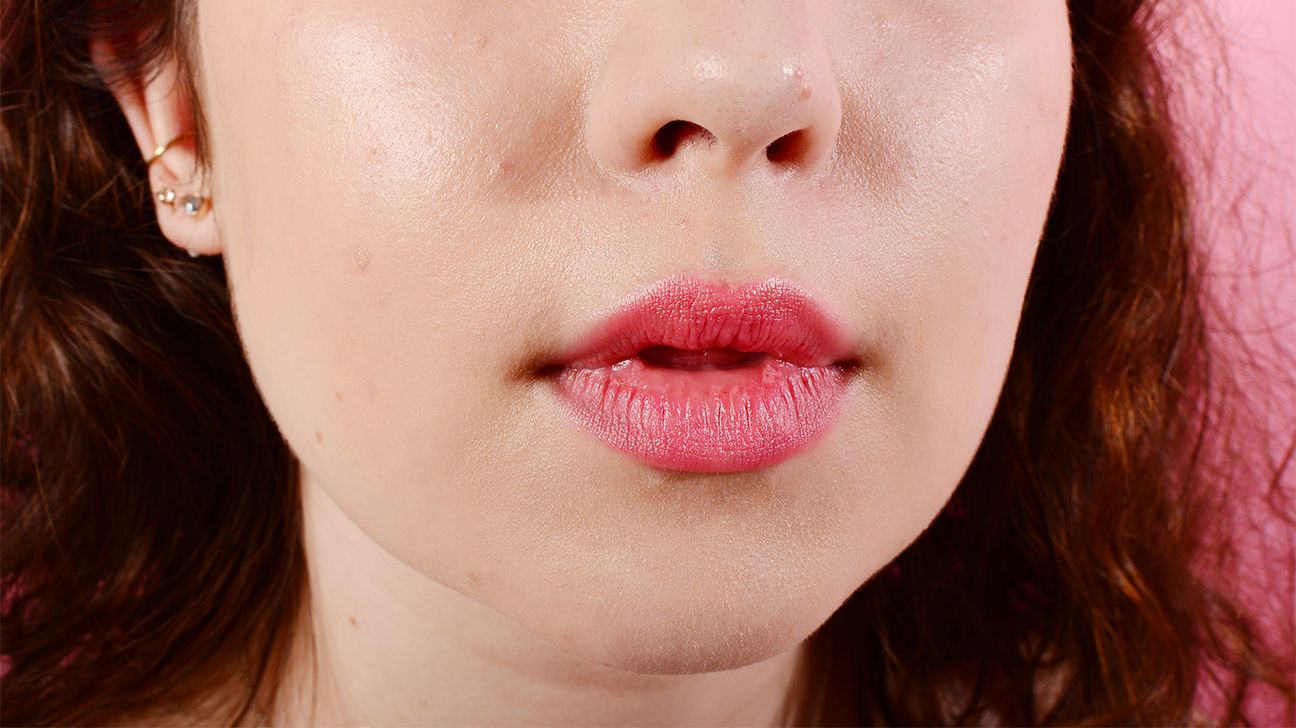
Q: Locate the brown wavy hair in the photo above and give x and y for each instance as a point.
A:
(151, 515)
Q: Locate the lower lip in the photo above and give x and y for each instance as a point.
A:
(708, 421)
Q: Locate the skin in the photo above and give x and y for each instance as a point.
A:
(416, 201)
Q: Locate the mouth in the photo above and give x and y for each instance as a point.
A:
(708, 377)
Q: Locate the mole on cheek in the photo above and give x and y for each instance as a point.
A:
(351, 619)
(319, 436)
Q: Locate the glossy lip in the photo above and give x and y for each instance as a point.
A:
(712, 419)
(774, 316)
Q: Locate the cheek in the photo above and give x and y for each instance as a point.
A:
(385, 277)
(962, 153)
(356, 256)
(994, 153)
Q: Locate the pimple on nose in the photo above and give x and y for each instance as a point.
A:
(793, 71)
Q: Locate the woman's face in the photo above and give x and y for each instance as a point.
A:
(419, 201)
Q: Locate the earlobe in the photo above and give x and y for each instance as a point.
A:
(157, 109)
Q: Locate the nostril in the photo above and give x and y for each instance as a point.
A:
(678, 133)
(788, 148)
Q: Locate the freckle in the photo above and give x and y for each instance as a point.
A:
(805, 92)
(360, 260)
(337, 396)
(371, 151)
(319, 436)
(351, 619)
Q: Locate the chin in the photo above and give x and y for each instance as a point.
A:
(699, 637)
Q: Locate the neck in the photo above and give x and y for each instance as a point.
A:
(392, 646)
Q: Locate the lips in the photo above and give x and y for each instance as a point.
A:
(709, 377)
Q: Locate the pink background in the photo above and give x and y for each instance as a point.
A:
(1241, 103)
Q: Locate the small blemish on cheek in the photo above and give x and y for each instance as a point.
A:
(360, 260)
(481, 41)
(805, 92)
(504, 168)
(351, 618)
(319, 436)
(337, 396)
(380, 300)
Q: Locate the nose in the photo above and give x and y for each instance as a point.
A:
(735, 88)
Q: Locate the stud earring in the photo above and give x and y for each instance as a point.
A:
(192, 205)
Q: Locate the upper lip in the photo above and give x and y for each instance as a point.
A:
(775, 316)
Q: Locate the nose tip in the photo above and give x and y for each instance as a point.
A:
(733, 101)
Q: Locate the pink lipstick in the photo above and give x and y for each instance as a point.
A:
(709, 377)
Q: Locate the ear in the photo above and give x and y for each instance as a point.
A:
(158, 110)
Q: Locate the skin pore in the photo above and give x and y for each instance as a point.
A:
(415, 201)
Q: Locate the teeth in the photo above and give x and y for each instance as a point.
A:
(725, 358)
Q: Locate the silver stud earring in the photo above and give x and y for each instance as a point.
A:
(194, 205)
